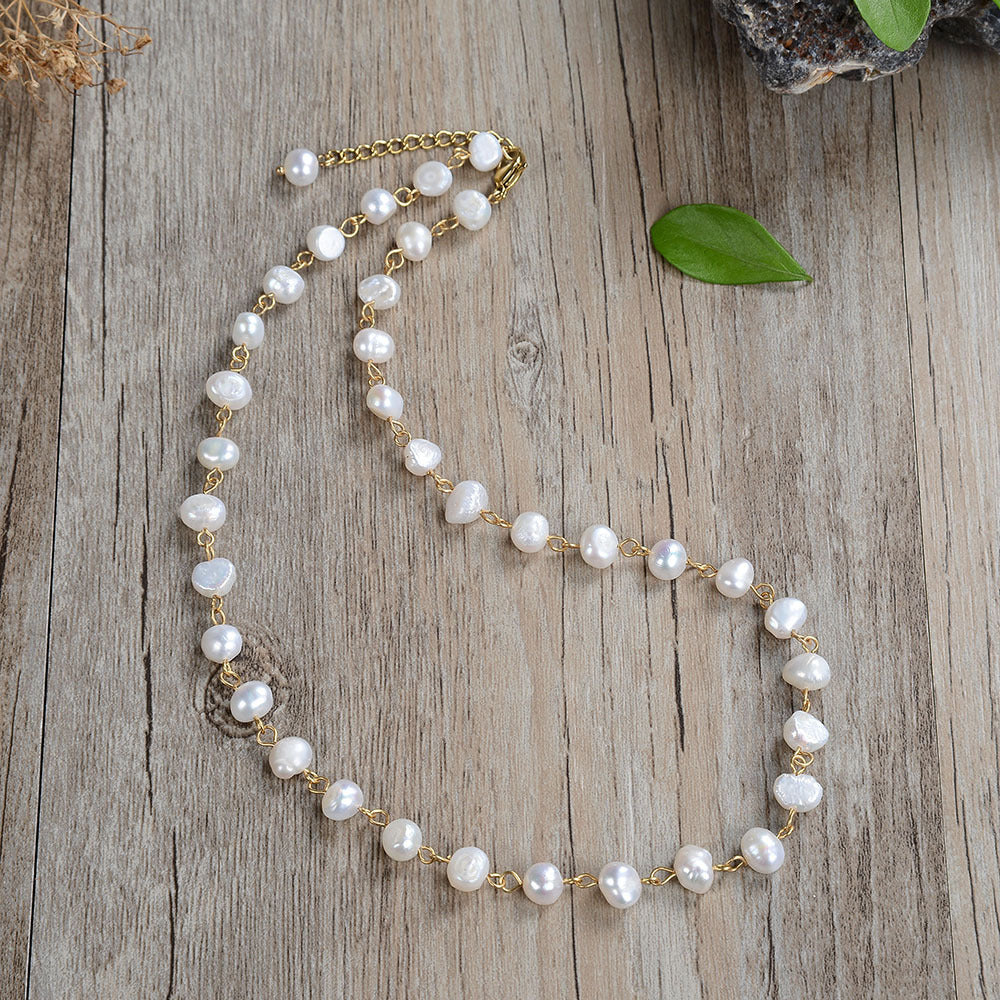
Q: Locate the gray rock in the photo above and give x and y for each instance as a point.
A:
(795, 46)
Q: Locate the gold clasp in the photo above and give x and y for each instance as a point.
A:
(509, 172)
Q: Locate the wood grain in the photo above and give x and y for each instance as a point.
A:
(531, 706)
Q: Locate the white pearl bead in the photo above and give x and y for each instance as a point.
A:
(301, 167)
(530, 532)
(378, 205)
(807, 672)
(373, 345)
(465, 502)
(284, 284)
(248, 330)
(785, 616)
(203, 512)
(468, 869)
(420, 456)
(734, 578)
(380, 290)
(227, 388)
(801, 792)
(620, 884)
(384, 402)
(290, 756)
(325, 242)
(484, 151)
(805, 731)
(543, 883)
(414, 239)
(342, 800)
(401, 839)
(599, 546)
(214, 577)
(762, 850)
(252, 700)
(667, 559)
(693, 866)
(432, 178)
(218, 453)
(221, 642)
(472, 209)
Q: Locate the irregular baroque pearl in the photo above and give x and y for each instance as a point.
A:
(214, 577)
(693, 866)
(468, 869)
(252, 700)
(342, 800)
(801, 792)
(290, 756)
(465, 502)
(807, 672)
(805, 731)
(785, 616)
(620, 884)
(762, 850)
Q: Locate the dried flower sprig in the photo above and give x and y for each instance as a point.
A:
(60, 41)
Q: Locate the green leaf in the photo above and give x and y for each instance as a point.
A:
(721, 245)
(997, 2)
(896, 23)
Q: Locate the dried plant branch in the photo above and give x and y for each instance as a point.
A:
(62, 42)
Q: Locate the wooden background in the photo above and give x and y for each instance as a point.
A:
(843, 436)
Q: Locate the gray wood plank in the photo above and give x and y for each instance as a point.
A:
(35, 160)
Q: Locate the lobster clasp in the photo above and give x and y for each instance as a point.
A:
(510, 169)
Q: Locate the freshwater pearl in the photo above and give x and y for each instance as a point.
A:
(221, 642)
(373, 345)
(543, 883)
(667, 559)
(213, 577)
(380, 290)
(290, 756)
(325, 242)
(468, 869)
(785, 616)
(248, 330)
(218, 453)
(762, 850)
(472, 209)
(252, 700)
(227, 388)
(284, 284)
(432, 178)
(484, 151)
(384, 402)
(801, 792)
(599, 546)
(530, 532)
(414, 239)
(620, 885)
(301, 167)
(401, 839)
(807, 672)
(465, 502)
(805, 731)
(378, 205)
(342, 800)
(693, 866)
(203, 512)
(734, 578)
(420, 456)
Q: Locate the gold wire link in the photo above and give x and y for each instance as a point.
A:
(559, 544)
(443, 485)
(806, 701)
(218, 614)
(206, 540)
(789, 828)
(408, 143)
(228, 676)
(377, 817)
(400, 435)
(350, 227)
(457, 158)
(367, 319)
(394, 260)
(656, 878)
(222, 417)
(508, 881)
(428, 856)
(801, 759)
(240, 358)
(213, 480)
(632, 547)
(264, 303)
(764, 593)
(303, 259)
(316, 782)
(267, 735)
(582, 881)
(492, 517)
(404, 196)
(705, 570)
(808, 642)
(443, 226)
(734, 864)
(375, 376)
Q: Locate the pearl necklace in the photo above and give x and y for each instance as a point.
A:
(467, 502)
